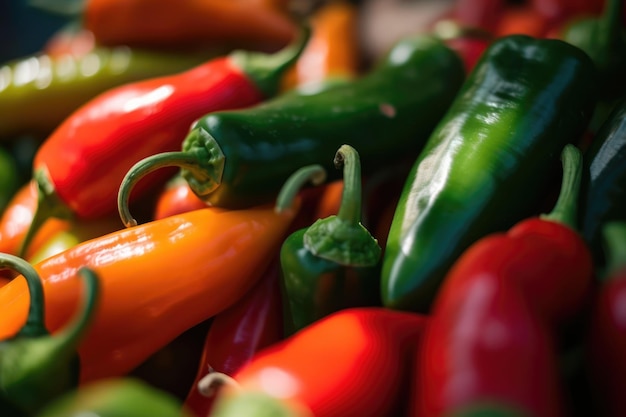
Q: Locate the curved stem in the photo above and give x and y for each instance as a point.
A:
(35, 323)
(72, 333)
(350, 208)
(316, 174)
(565, 210)
(144, 167)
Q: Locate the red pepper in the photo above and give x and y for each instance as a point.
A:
(522, 19)
(493, 328)
(350, 363)
(607, 337)
(238, 333)
(176, 198)
(477, 14)
(82, 164)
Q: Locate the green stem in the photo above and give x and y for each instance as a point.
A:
(146, 166)
(565, 210)
(316, 174)
(614, 233)
(350, 208)
(73, 332)
(35, 323)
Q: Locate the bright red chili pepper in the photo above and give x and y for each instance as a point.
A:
(492, 330)
(82, 164)
(350, 363)
(238, 333)
(477, 14)
(176, 198)
(522, 19)
(607, 337)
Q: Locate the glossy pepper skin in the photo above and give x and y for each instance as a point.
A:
(523, 102)
(234, 159)
(116, 397)
(363, 375)
(603, 194)
(35, 366)
(333, 263)
(492, 337)
(237, 334)
(146, 304)
(176, 198)
(38, 92)
(80, 166)
(606, 340)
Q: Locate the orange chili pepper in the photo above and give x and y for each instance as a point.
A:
(158, 279)
(333, 49)
(189, 23)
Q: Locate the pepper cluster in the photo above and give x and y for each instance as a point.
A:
(229, 209)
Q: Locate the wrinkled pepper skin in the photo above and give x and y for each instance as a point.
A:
(523, 102)
(242, 157)
(603, 196)
(38, 92)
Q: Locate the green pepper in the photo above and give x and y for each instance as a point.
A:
(116, 397)
(38, 92)
(9, 177)
(331, 264)
(603, 193)
(240, 158)
(486, 164)
(603, 39)
(36, 367)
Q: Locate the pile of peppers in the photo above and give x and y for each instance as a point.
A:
(218, 208)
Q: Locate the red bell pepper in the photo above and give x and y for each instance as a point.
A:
(238, 333)
(350, 363)
(493, 327)
(81, 164)
(607, 336)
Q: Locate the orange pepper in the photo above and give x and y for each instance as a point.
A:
(158, 280)
(189, 23)
(333, 49)
(523, 20)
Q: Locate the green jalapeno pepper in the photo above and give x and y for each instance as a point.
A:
(36, 367)
(486, 163)
(603, 196)
(38, 92)
(240, 158)
(332, 264)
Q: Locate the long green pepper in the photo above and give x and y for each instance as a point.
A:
(332, 264)
(487, 162)
(239, 158)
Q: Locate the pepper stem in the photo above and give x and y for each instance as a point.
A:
(614, 233)
(565, 210)
(48, 205)
(213, 381)
(316, 174)
(342, 238)
(266, 70)
(35, 323)
(185, 160)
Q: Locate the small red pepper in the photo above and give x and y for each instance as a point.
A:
(80, 166)
(607, 336)
(492, 333)
(238, 333)
(176, 198)
(350, 363)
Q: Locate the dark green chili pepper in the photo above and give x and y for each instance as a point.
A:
(604, 40)
(36, 367)
(240, 158)
(332, 264)
(116, 397)
(38, 92)
(486, 163)
(9, 177)
(603, 193)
